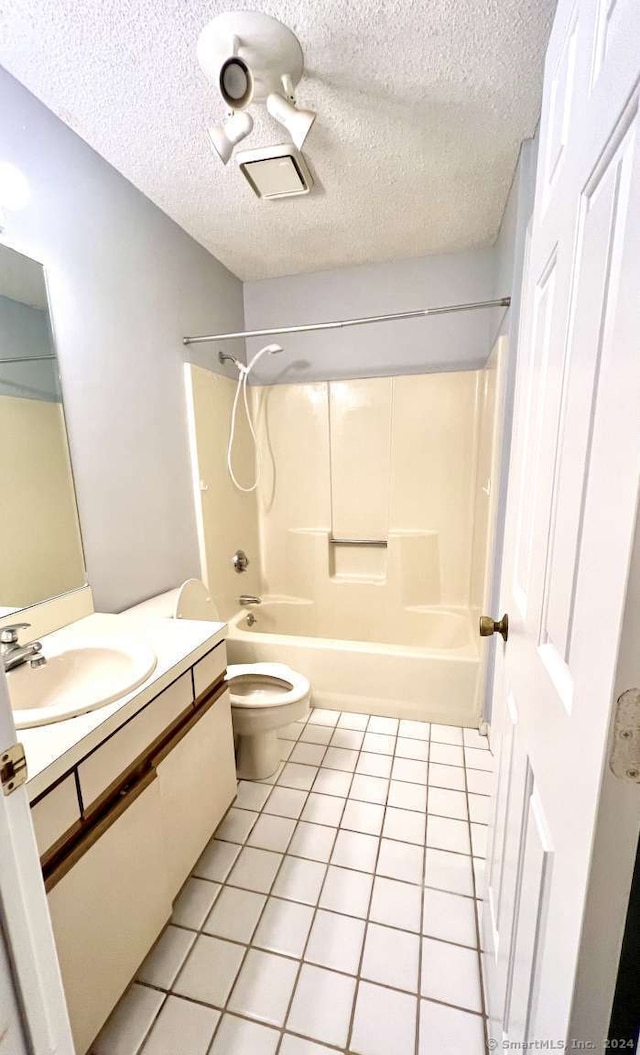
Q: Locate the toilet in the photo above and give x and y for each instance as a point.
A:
(264, 696)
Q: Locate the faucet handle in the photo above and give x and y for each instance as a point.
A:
(9, 634)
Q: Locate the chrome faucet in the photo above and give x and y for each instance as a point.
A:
(13, 654)
(247, 599)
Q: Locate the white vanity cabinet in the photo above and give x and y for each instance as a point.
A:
(121, 832)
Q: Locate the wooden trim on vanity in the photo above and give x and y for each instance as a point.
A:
(68, 850)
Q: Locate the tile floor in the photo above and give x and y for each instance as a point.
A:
(334, 910)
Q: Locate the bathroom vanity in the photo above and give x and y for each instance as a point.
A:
(127, 798)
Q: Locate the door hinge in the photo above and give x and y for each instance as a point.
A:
(13, 768)
(624, 759)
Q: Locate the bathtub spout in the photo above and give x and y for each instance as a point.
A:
(247, 599)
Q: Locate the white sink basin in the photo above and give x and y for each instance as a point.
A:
(77, 678)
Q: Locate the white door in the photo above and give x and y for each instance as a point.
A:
(571, 516)
(33, 982)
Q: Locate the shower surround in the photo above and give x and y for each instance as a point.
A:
(371, 527)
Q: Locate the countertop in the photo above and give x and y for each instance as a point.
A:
(53, 749)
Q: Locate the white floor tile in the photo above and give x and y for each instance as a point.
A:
(251, 795)
(353, 721)
(444, 833)
(317, 734)
(313, 841)
(290, 732)
(354, 850)
(480, 809)
(446, 754)
(323, 809)
(407, 796)
(479, 840)
(447, 803)
(271, 779)
(319, 716)
(297, 1046)
(347, 738)
(400, 861)
(415, 730)
(369, 789)
(307, 754)
(236, 1036)
(449, 917)
(336, 942)
(475, 758)
(478, 864)
(210, 971)
(447, 1031)
(272, 833)
(446, 734)
(391, 957)
(182, 1026)
(300, 880)
(451, 777)
(236, 825)
(472, 738)
(347, 891)
(255, 870)
(448, 871)
(264, 986)
(286, 747)
(166, 958)
(129, 1024)
(479, 782)
(383, 725)
(297, 776)
(333, 782)
(322, 1005)
(216, 861)
(340, 758)
(451, 974)
(405, 825)
(407, 747)
(192, 905)
(285, 802)
(373, 765)
(363, 817)
(235, 914)
(396, 904)
(384, 1022)
(284, 927)
(410, 770)
(379, 743)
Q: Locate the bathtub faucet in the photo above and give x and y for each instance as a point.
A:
(247, 599)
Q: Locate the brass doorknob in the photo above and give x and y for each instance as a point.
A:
(489, 626)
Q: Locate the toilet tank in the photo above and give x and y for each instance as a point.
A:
(189, 601)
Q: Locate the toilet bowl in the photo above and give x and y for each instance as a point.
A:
(264, 696)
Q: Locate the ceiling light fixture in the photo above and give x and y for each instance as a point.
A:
(253, 58)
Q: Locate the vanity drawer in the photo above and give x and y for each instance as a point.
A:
(55, 814)
(109, 761)
(210, 669)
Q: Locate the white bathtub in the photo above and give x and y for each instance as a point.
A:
(424, 665)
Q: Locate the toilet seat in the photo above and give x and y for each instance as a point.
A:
(265, 685)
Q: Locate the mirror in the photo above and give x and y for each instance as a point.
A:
(40, 544)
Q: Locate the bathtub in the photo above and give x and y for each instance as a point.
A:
(424, 664)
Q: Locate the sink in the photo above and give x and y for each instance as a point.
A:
(77, 678)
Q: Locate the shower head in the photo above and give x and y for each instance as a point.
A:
(269, 349)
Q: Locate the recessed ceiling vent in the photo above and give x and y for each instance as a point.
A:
(275, 172)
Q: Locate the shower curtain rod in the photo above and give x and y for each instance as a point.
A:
(502, 302)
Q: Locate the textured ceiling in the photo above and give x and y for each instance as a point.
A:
(421, 104)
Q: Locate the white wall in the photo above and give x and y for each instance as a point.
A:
(126, 284)
(451, 342)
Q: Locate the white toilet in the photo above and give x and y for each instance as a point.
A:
(264, 696)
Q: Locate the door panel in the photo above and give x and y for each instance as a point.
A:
(571, 516)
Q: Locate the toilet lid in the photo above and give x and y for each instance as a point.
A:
(264, 682)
